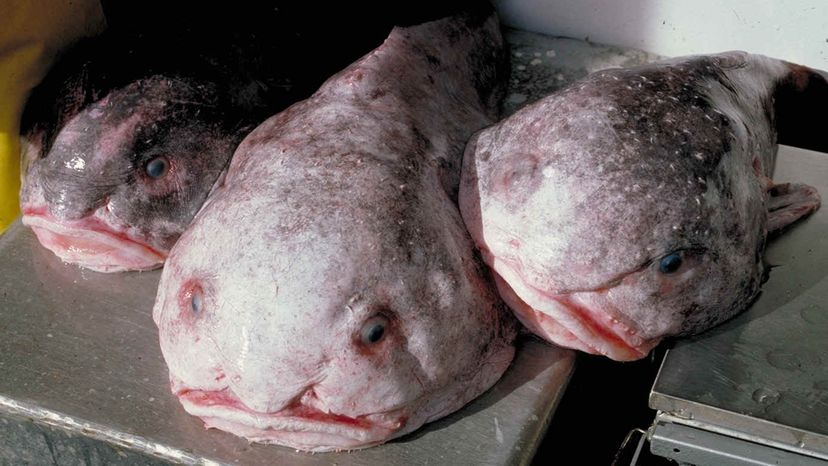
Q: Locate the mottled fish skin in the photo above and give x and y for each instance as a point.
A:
(328, 296)
(90, 197)
(129, 133)
(634, 204)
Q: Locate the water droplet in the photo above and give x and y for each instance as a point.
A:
(813, 314)
(789, 361)
(765, 396)
(782, 359)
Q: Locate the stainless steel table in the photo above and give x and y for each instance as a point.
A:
(82, 380)
(79, 352)
(755, 390)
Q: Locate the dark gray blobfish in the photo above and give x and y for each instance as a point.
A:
(635, 203)
(130, 131)
(328, 295)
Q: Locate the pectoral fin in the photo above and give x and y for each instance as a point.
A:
(790, 202)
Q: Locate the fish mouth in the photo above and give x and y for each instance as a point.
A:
(570, 320)
(91, 244)
(297, 426)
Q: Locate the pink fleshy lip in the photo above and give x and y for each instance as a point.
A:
(91, 245)
(597, 332)
(222, 410)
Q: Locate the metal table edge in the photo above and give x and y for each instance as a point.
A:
(98, 432)
(572, 360)
(731, 423)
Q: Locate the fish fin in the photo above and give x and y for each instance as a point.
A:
(800, 99)
(790, 202)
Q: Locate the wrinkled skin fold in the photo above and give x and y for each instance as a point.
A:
(635, 204)
(130, 131)
(328, 296)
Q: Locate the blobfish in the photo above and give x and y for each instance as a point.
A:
(635, 204)
(328, 296)
(129, 133)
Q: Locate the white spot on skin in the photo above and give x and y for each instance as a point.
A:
(76, 163)
(521, 67)
(245, 349)
(498, 432)
(536, 61)
(550, 53)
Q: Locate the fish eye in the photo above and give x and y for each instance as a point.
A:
(157, 167)
(373, 330)
(191, 299)
(670, 263)
(195, 301)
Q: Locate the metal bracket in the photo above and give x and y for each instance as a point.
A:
(699, 447)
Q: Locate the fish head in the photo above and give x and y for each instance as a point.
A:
(120, 179)
(608, 235)
(309, 313)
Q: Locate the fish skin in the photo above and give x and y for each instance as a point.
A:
(336, 214)
(92, 178)
(575, 200)
(188, 89)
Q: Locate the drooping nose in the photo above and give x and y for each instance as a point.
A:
(85, 164)
(75, 180)
(72, 196)
(264, 376)
(297, 397)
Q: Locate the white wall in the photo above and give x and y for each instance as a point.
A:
(794, 30)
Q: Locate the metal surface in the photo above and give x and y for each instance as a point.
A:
(763, 376)
(79, 351)
(703, 448)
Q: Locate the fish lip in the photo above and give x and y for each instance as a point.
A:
(221, 409)
(102, 248)
(617, 336)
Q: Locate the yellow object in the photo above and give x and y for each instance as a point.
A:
(32, 32)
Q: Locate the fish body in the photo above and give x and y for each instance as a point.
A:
(635, 204)
(129, 133)
(328, 296)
